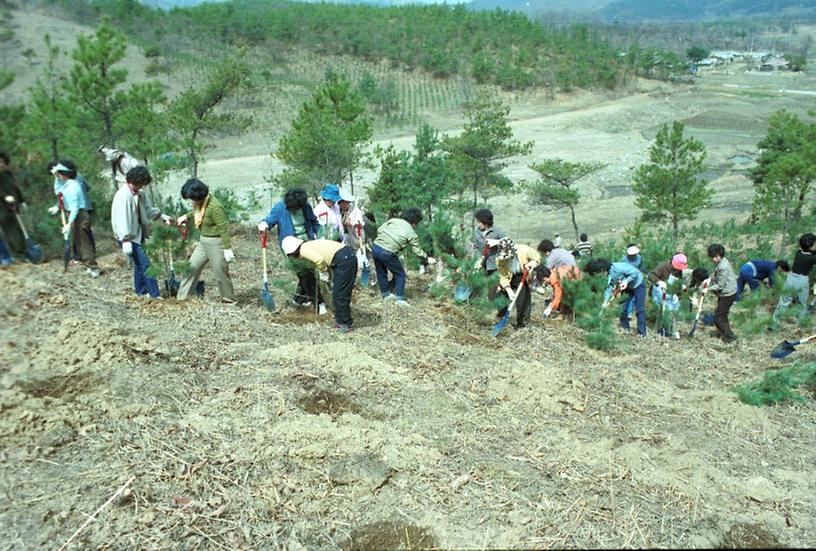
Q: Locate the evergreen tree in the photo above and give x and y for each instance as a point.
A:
(390, 194)
(697, 53)
(194, 115)
(786, 168)
(557, 188)
(328, 137)
(476, 155)
(669, 187)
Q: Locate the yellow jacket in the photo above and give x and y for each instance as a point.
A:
(320, 252)
(524, 255)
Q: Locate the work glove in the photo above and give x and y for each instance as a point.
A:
(694, 302)
(10, 199)
(421, 269)
(492, 243)
(431, 261)
(127, 248)
(66, 230)
(229, 256)
(263, 226)
(530, 266)
(181, 220)
(814, 288)
(622, 285)
(510, 294)
(662, 285)
(547, 311)
(53, 210)
(541, 290)
(167, 219)
(324, 276)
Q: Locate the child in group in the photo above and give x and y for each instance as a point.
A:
(796, 285)
(724, 286)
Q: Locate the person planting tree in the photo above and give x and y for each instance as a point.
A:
(11, 201)
(723, 285)
(328, 214)
(394, 236)
(754, 272)
(485, 231)
(796, 284)
(553, 278)
(341, 260)
(293, 215)
(131, 217)
(556, 256)
(77, 209)
(516, 264)
(625, 278)
(86, 191)
(214, 245)
(662, 278)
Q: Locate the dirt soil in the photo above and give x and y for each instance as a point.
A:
(247, 430)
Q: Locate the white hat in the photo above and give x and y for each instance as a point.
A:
(633, 250)
(290, 244)
(59, 167)
(346, 196)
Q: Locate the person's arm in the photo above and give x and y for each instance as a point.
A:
(715, 286)
(413, 242)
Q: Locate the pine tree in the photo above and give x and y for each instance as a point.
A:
(669, 187)
(557, 188)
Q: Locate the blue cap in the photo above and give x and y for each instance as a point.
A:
(331, 193)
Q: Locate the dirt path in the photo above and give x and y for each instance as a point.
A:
(253, 430)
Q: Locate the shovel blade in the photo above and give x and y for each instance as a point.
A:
(33, 252)
(783, 350)
(365, 276)
(501, 324)
(266, 297)
(462, 291)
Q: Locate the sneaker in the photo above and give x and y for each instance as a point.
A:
(305, 304)
(401, 302)
(343, 328)
(321, 309)
(390, 296)
(73, 263)
(93, 272)
(676, 335)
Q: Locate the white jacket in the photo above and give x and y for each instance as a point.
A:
(131, 215)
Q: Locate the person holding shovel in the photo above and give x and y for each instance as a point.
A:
(77, 210)
(327, 255)
(11, 201)
(213, 247)
(485, 231)
(625, 278)
(86, 190)
(662, 278)
(294, 216)
(131, 217)
(394, 236)
(796, 284)
(723, 285)
(515, 264)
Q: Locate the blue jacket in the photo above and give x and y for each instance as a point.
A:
(637, 262)
(281, 218)
(86, 190)
(75, 199)
(623, 271)
(764, 269)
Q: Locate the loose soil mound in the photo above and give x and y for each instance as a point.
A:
(245, 429)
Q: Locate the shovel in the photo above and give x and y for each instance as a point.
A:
(697, 317)
(172, 285)
(66, 255)
(503, 322)
(786, 348)
(266, 296)
(659, 321)
(615, 294)
(33, 252)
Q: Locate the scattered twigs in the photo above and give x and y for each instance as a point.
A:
(90, 518)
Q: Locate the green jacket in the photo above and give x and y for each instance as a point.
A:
(397, 234)
(215, 223)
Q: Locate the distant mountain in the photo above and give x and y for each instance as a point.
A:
(168, 4)
(687, 10)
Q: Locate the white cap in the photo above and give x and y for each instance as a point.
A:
(346, 196)
(290, 244)
(633, 250)
(59, 167)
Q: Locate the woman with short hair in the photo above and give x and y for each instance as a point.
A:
(214, 245)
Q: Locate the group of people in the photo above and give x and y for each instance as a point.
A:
(328, 244)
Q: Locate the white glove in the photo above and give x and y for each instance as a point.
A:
(229, 256)
(181, 220)
(362, 261)
(530, 266)
(263, 226)
(167, 219)
(421, 269)
(547, 311)
(492, 242)
(66, 229)
(814, 288)
(694, 302)
(324, 276)
(10, 199)
(431, 261)
(661, 284)
(127, 248)
(53, 210)
(623, 285)
(510, 294)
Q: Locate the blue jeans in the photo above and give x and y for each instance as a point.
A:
(141, 282)
(746, 277)
(5, 254)
(638, 296)
(384, 262)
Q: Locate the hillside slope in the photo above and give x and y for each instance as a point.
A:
(245, 429)
(685, 10)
